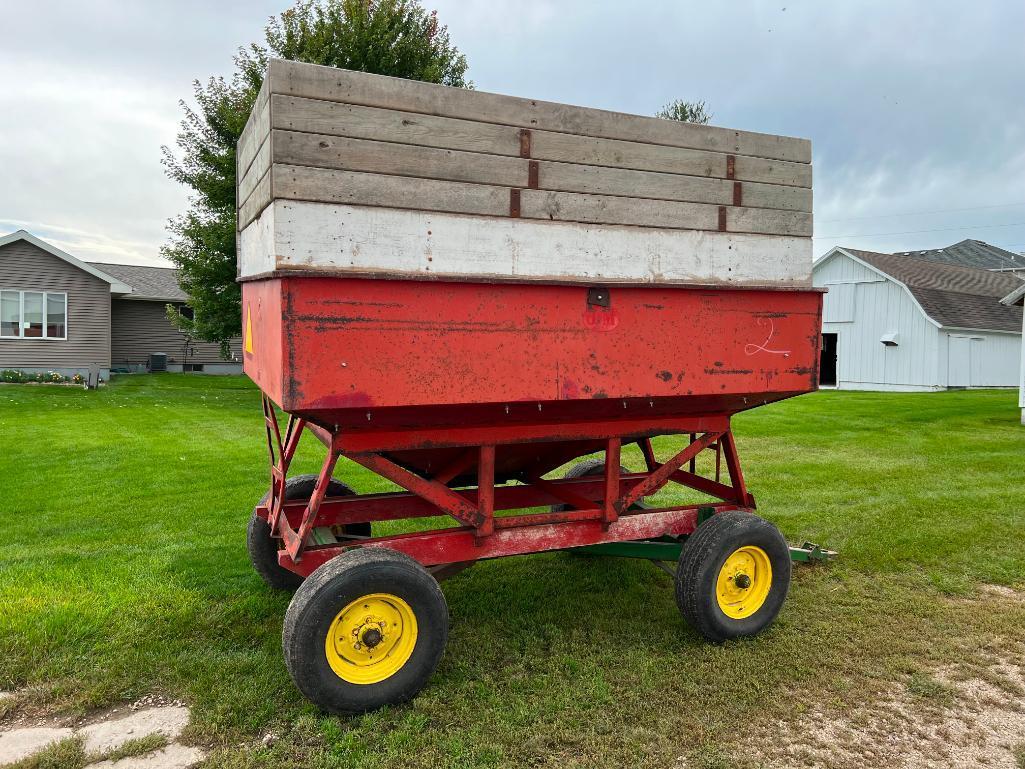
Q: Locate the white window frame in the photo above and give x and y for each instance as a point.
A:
(21, 314)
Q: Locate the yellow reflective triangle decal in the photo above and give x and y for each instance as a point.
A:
(249, 330)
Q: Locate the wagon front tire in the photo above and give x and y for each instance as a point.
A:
(263, 548)
(365, 630)
(733, 576)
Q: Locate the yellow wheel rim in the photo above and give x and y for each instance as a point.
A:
(371, 638)
(744, 582)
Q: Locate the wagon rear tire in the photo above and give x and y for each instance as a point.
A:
(367, 629)
(588, 468)
(263, 548)
(733, 576)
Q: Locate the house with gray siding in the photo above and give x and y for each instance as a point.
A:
(58, 313)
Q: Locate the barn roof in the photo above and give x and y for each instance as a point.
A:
(157, 283)
(972, 253)
(952, 295)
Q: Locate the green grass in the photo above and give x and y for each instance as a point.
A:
(124, 573)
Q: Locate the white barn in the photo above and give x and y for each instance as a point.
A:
(908, 322)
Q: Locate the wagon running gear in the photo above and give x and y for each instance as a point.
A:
(263, 548)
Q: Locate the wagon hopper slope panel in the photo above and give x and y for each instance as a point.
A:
(337, 344)
(348, 173)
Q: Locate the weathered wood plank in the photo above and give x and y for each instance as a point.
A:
(326, 117)
(257, 201)
(332, 84)
(773, 171)
(303, 149)
(357, 188)
(332, 186)
(598, 180)
(608, 209)
(256, 131)
(257, 169)
(768, 222)
(546, 145)
(388, 242)
(670, 214)
(337, 119)
(754, 195)
(347, 154)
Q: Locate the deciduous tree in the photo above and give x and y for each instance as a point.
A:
(388, 37)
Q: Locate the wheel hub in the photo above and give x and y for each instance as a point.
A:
(744, 582)
(371, 638)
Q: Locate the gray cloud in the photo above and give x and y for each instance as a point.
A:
(911, 107)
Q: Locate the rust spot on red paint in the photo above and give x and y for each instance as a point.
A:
(665, 376)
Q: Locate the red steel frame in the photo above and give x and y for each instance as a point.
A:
(598, 509)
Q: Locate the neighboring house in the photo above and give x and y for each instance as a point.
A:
(1017, 299)
(918, 321)
(58, 313)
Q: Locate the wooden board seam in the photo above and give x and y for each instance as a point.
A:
(735, 193)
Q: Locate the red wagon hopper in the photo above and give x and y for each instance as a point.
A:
(463, 292)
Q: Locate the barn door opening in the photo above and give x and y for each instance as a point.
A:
(959, 361)
(827, 361)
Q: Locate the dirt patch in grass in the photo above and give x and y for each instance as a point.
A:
(953, 717)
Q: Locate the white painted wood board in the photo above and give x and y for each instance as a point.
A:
(338, 239)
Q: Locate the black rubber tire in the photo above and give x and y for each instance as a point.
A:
(263, 548)
(326, 592)
(701, 560)
(593, 466)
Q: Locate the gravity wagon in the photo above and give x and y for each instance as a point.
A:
(463, 292)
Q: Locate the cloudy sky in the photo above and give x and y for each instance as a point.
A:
(916, 110)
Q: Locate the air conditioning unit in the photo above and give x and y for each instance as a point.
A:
(157, 361)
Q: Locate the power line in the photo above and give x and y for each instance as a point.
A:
(920, 213)
(916, 232)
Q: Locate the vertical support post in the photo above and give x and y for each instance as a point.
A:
(486, 492)
(694, 459)
(281, 453)
(310, 515)
(729, 446)
(649, 454)
(612, 453)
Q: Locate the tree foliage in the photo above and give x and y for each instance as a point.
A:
(686, 112)
(388, 37)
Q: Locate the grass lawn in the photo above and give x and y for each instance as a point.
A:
(123, 572)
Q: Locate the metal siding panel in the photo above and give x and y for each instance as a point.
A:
(995, 360)
(139, 328)
(26, 267)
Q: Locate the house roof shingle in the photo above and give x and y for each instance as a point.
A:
(972, 253)
(954, 296)
(147, 282)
